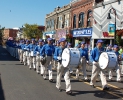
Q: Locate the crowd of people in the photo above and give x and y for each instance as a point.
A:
(44, 56)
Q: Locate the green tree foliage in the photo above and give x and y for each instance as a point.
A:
(31, 31)
(1, 33)
(118, 39)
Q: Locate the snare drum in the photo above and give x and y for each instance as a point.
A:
(70, 57)
(32, 53)
(27, 53)
(107, 60)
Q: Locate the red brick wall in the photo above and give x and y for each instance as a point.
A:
(78, 7)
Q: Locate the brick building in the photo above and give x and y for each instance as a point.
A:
(57, 23)
(81, 20)
(10, 33)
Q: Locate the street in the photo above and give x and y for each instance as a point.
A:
(18, 82)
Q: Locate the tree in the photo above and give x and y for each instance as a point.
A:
(32, 31)
(1, 34)
(118, 40)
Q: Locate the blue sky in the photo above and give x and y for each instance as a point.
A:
(15, 13)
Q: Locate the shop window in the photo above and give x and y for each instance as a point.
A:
(81, 20)
(89, 16)
(74, 21)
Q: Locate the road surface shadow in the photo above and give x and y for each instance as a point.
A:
(5, 56)
(1, 91)
(97, 93)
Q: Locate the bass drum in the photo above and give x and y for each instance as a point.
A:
(107, 60)
(70, 57)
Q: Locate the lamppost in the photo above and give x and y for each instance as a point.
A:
(109, 17)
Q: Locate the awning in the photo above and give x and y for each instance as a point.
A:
(83, 32)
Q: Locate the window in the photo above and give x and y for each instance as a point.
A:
(81, 20)
(74, 21)
(98, 1)
(89, 15)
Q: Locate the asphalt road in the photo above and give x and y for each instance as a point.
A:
(17, 82)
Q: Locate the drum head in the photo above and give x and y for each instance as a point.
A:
(103, 60)
(65, 57)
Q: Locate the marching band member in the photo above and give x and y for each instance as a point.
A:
(32, 57)
(109, 49)
(55, 61)
(37, 52)
(21, 51)
(84, 59)
(60, 68)
(94, 57)
(24, 49)
(48, 51)
(117, 66)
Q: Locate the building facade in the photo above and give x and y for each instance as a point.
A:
(10, 33)
(104, 20)
(81, 20)
(58, 23)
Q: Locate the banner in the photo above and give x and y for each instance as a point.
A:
(111, 29)
(84, 32)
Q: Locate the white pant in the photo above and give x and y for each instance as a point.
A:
(60, 70)
(39, 66)
(32, 62)
(95, 71)
(48, 65)
(82, 66)
(25, 58)
(117, 72)
(21, 55)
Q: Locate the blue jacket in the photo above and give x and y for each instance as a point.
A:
(25, 47)
(58, 52)
(117, 53)
(21, 46)
(84, 52)
(31, 47)
(95, 53)
(37, 49)
(109, 50)
(47, 50)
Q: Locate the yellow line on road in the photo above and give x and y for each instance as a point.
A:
(114, 86)
(101, 88)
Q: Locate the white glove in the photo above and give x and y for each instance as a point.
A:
(38, 53)
(59, 58)
(41, 57)
(87, 62)
(94, 62)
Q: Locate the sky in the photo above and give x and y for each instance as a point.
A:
(15, 13)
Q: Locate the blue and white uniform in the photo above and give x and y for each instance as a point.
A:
(117, 67)
(38, 63)
(48, 51)
(32, 56)
(94, 57)
(84, 59)
(61, 69)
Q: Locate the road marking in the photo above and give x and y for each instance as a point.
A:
(114, 86)
(101, 88)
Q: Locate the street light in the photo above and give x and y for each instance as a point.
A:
(109, 17)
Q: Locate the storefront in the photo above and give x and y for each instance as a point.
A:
(49, 34)
(82, 34)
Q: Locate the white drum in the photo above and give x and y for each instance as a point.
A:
(70, 57)
(32, 53)
(107, 60)
(27, 53)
